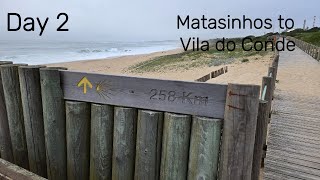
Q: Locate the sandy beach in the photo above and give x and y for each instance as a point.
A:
(249, 72)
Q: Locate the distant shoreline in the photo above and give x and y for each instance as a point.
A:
(112, 65)
(53, 52)
(151, 55)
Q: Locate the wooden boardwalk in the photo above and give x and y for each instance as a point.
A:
(294, 133)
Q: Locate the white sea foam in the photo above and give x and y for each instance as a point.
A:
(54, 52)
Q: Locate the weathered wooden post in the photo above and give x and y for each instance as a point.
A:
(10, 171)
(239, 129)
(101, 141)
(12, 93)
(213, 74)
(148, 148)
(124, 143)
(208, 77)
(5, 139)
(275, 64)
(175, 143)
(318, 58)
(272, 72)
(204, 148)
(33, 118)
(305, 47)
(78, 140)
(268, 81)
(314, 51)
(54, 116)
(261, 133)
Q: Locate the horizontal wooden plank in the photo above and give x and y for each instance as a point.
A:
(275, 175)
(295, 155)
(294, 142)
(294, 161)
(294, 170)
(294, 138)
(183, 97)
(11, 171)
(299, 114)
(295, 149)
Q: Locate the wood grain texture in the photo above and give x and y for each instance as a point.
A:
(260, 139)
(78, 140)
(271, 70)
(54, 117)
(268, 81)
(175, 147)
(148, 147)
(33, 118)
(9, 171)
(5, 139)
(239, 132)
(124, 143)
(204, 148)
(275, 64)
(12, 93)
(162, 95)
(101, 142)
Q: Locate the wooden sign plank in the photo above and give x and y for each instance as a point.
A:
(9, 171)
(192, 98)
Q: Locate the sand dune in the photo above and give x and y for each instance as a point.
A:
(250, 72)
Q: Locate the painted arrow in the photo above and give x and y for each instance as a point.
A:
(85, 82)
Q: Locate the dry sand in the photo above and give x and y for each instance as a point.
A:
(243, 73)
(117, 65)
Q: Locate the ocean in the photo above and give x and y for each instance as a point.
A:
(35, 53)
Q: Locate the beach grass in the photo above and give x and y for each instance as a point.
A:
(311, 36)
(194, 59)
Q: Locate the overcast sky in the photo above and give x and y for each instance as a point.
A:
(129, 20)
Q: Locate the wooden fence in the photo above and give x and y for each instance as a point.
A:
(264, 115)
(312, 50)
(213, 74)
(64, 124)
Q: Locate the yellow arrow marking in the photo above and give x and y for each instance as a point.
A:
(85, 82)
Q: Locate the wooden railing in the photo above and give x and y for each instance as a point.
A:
(63, 124)
(264, 115)
(312, 50)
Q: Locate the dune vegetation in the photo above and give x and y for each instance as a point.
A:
(194, 59)
(311, 36)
